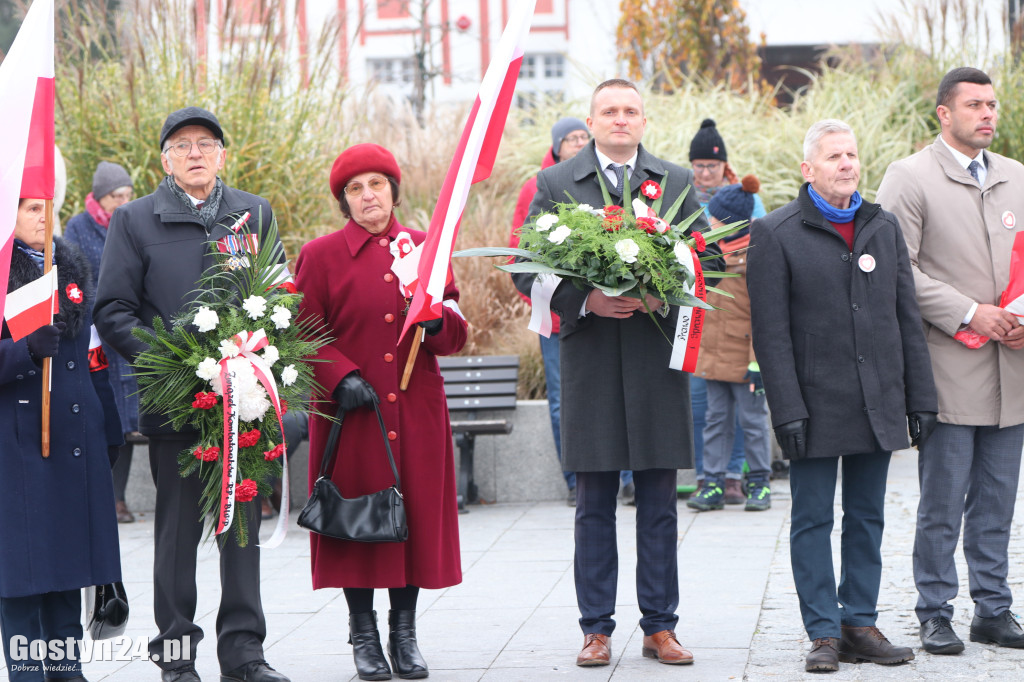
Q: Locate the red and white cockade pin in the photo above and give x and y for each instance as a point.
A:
(1009, 220)
(866, 262)
(74, 293)
(650, 189)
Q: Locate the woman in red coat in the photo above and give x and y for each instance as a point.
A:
(347, 281)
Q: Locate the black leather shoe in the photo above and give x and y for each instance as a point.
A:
(867, 643)
(186, 673)
(404, 652)
(253, 671)
(937, 636)
(65, 679)
(366, 648)
(1001, 630)
(824, 656)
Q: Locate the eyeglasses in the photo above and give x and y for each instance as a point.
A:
(579, 138)
(123, 195)
(206, 146)
(376, 184)
(706, 167)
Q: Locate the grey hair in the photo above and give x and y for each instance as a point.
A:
(828, 126)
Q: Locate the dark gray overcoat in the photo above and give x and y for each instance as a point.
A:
(839, 344)
(622, 407)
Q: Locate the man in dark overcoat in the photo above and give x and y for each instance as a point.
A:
(622, 407)
(838, 336)
(157, 249)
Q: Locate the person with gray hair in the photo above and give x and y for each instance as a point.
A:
(957, 203)
(846, 370)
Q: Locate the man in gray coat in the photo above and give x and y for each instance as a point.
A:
(622, 407)
(958, 205)
(845, 366)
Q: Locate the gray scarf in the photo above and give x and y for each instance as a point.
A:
(207, 213)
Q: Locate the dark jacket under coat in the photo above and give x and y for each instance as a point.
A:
(622, 407)
(838, 346)
(155, 254)
(59, 531)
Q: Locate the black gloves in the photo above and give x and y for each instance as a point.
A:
(354, 391)
(792, 438)
(433, 327)
(921, 425)
(45, 341)
(754, 379)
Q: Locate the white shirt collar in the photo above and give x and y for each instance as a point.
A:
(604, 160)
(962, 158)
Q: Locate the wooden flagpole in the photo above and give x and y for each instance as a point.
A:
(413, 352)
(47, 266)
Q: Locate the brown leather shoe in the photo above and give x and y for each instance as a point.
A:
(868, 644)
(666, 648)
(595, 650)
(124, 515)
(734, 491)
(824, 656)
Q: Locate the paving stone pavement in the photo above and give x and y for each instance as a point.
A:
(514, 616)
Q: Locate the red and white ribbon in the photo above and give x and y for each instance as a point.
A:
(689, 324)
(541, 291)
(248, 343)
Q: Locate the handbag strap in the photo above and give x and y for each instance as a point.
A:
(332, 445)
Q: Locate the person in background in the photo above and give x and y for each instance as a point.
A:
(568, 136)
(111, 187)
(712, 172)
(846, 369)
(729, 369)
(59, 533)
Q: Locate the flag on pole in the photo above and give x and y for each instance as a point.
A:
(32, 306)
(473, 161)
(26, 119)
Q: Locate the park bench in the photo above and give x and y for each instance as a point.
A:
(475, 384)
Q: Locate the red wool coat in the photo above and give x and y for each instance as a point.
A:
(347, 281)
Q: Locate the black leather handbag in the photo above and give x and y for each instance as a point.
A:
(377, 517)
(106, 610)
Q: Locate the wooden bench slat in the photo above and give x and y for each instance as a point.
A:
(475, 375)
(463, 361)
(482, 403)
(496, 388)
(482, 426)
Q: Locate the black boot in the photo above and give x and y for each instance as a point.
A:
(405, 654)
(366, 648)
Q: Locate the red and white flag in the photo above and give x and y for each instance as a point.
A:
(473, 161)
(31, 306)
(26, 119)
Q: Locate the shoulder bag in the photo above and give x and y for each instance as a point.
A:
(106, 610)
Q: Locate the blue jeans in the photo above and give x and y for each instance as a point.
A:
(699, 401)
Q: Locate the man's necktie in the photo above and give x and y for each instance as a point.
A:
(972, 167)
(620, 171)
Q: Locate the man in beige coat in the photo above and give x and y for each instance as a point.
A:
(959, 207)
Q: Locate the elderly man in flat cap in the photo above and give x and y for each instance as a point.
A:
(157, 249)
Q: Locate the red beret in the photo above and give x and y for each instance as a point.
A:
(362, 158)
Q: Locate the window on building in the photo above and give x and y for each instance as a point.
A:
(391, 70)
(554, 65)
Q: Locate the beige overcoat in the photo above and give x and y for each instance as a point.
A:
(959, 236)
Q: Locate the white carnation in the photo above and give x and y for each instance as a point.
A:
(288, 375)
(271, 355)
(546, 222)
(255, 306)
(228, 349)
(682, 252)
(281, 317)
(253, 404)
(559, 235)
(208, 369)
(585, 208)
(627, 250)
(206, 319)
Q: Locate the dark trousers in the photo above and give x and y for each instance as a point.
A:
(122, 467)
(812, 484)
(597, 560)
(241, 626)
(53, 616)
(968, 473)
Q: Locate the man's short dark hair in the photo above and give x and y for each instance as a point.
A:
(612, 83)
(963, 74)
(343, 199)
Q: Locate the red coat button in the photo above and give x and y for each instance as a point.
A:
(388, 277)
(384, 242)
(389, 318)
(388, 357)
(392, 435)
(392, 398)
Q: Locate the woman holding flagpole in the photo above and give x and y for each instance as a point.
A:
(59, 532)
(347, 281)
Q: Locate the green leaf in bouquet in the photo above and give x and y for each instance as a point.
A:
(719, 291)
(716, 274)
(656, 205)
(627, 194)
(605, 194)
(676, 205)
(495, 251)
(723, 231)
(535, 267)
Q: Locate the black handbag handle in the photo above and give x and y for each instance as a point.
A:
(332, 443)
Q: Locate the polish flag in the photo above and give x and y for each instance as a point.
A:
(473, 161)
(1013, 298)
(32, 306)
(26, 119)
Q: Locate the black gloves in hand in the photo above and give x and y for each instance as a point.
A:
(354, 391)
(433, 327)
(45, 341)
(921, 425)
(754, 379)
(792, 438)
